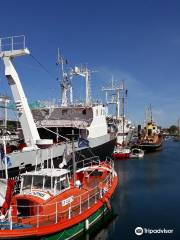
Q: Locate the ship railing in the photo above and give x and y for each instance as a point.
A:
(12, 43)
(87, 162)
(70, 208)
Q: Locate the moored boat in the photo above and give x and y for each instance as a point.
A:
(150, 138)
(121, 152)
(55, 201)
(136, 153)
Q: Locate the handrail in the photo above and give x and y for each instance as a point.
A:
(82, 202)
(11, 43)
(50, 204)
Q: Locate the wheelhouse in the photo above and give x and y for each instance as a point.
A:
(54, 181)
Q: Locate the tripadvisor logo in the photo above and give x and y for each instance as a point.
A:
(139, 231)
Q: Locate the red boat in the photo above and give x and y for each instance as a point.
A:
(121, 153)
(56, 203)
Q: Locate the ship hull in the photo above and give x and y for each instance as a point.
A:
(76, 231)
(25, 161)
(119, 156)
(73, 232)
(150, 147)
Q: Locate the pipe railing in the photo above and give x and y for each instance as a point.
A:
(80, 204)
(12, 43)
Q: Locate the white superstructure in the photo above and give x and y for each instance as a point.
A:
(87, 119)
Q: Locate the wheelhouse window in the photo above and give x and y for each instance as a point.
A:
(64, 111)
(47, 183)
(62, 183)
(38, 182)
(27, 180)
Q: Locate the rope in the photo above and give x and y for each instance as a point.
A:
(43, 67)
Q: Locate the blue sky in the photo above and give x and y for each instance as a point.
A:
(134, 40)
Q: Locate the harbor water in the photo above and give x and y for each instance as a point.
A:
(147, 196)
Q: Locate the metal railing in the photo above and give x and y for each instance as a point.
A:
(48, 214)
(61, 211)
(87, 162)
(12, 43)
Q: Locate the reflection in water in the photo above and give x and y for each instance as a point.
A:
(100, 230)
(148, 193)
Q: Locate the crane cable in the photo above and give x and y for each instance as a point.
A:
(43, 67)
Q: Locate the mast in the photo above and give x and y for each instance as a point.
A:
(65, 83)
(73, 156)
(74, 159)
(124, 96)
(150, 109)
(123, 107)
(114, 90)
(178, 129)
(9, 49)
(86, 73)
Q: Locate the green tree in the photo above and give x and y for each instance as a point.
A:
(173, 129)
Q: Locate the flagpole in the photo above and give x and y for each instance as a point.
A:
(5, 158)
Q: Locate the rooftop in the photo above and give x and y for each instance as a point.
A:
(56, 172)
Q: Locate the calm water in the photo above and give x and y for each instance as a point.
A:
(148, 196)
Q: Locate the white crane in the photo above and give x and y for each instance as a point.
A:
(10, 48)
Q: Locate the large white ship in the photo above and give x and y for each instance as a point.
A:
(46, 131)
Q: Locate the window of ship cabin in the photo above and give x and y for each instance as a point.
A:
(48, 182)
(96, 112)
(38, 181)
(62, 182)
(27, 180)
(84, 111)
(64, 111)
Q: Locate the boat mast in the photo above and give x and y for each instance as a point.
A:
(9, 49)
(115, 90)
(150, 109)
(123, 107)
(178, 129)
(65, 83)
(86, 73)
(73, 156)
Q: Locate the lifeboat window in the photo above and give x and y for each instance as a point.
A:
(62, 183)
(47, 183)
(27, 182)
(38, 182)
